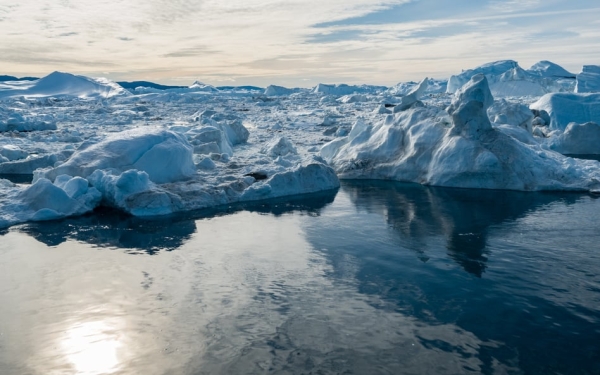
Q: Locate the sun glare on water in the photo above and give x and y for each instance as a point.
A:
(93, 347)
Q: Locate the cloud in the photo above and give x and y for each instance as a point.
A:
(376, 41)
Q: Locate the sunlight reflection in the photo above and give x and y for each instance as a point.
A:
(93, 347)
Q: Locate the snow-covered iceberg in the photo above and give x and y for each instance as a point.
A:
(59, 84)
(425, 145)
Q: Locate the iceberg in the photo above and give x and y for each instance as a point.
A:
(59, 84)
(589, 79)
(425, 146)
(507, 79)
(164, 155)
(560, 109)
(577, 139)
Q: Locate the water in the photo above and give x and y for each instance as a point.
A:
(381, 278)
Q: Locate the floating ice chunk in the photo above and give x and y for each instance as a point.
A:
(578, 139)
(279, 146)
(202, 87)
(353, 98)
(273, 90)
(16, 121)
(506, 78)
(206, 163)
(64, 84)
(412, 97)
(133, 192)
(490, 69)
(549, 69)
(589, 79)
(343, 89)
(560, 109)
(46, 201)
(164, 155)
(307, 178)
(505, 112)
(517, 82)
(29, 165)
(382, 110)
(13, 152)
(417, 146)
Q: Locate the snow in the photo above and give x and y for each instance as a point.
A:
(589, 79)
(154, 152)
(559, 109)
(421, 145)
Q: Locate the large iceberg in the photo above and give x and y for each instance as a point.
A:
(164, 155)
(560, 109)
(549, 69)
(59, 84)
(424, 145)
(589, 79)
(507, 79)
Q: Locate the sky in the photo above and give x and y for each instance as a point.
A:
(293, 43)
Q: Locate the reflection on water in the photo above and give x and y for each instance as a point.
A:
(463, 216)
(108, 228)
(386, 279)
(92, 347)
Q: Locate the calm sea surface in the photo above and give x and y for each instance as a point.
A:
(380, 278)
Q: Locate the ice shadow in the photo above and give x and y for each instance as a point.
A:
(113, 229)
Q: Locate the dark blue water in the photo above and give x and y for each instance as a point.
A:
(380, 278)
